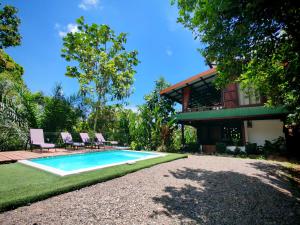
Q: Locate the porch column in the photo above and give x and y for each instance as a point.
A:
(186, 98)
(182, 135)
(244, 132)
(245, 128)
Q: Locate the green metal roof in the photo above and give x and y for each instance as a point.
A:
(242, 112)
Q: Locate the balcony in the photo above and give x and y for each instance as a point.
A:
(203, 108)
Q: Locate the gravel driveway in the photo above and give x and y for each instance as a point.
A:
(197, 190)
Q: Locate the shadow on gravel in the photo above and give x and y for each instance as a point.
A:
(277, 174)
(231, 198)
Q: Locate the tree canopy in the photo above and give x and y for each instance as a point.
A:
(252, 42)
(9, 27)
(60, 112)
(156, 117)
(9, 37)
(103, 67)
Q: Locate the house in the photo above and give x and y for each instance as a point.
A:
(229, 115)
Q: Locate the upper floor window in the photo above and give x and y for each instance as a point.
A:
(248, 96)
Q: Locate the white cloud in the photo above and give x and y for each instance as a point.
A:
(89, 4)
(169, 52)
(70, 28)
(134, 108)
(56, 25)
(62, 33)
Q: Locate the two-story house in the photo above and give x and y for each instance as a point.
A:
(229, 115)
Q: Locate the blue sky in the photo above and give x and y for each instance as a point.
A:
(165, 47)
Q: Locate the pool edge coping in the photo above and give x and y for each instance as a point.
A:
(66, 173)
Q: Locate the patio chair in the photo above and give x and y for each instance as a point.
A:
(100, 138)
(87, 141)
(37, 139)
(68, 140)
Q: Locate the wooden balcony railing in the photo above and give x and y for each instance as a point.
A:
(204, 108)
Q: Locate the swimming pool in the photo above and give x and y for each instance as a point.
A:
(77, 163)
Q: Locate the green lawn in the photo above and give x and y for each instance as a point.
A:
(21, 184)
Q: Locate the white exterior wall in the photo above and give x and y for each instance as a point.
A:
(263, 130)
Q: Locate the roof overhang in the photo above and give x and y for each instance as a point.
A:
(257, 112)
(200, 82)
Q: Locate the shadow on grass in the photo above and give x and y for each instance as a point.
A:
(226, 197)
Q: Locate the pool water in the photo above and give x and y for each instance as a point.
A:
(75, 163)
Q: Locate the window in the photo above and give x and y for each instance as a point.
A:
(248, 96)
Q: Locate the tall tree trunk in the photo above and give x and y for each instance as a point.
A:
(99, 106)
(96, 118)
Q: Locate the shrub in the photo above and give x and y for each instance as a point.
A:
(220, 147)
(237, 151)
(251, 148)
(192, 147)
(135, 146)
(277, 146)
(162, 148)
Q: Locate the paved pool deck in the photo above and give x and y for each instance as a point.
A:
(13, 156)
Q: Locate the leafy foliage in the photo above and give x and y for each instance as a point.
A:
(154, 124)
(103, 67)
(9, 68)
(60, 113)
(252, 42)
(9, 27)
(277, 146)
(251, 148)
(13, 125)
(13, 122)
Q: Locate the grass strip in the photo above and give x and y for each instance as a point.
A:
(21, 185)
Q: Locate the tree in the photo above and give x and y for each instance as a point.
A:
(60, 113)
(154, 99)
(9, 37)
(13, 125)
(14, 120)
(10, 69)
(253, 42)
(9, 27)
(156, 118)
(104, 69)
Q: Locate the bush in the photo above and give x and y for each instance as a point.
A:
(220, 147)
(251, 148)
(162, 148)
(135, 146)
(192, 147)
(277, 146)
(237, 151)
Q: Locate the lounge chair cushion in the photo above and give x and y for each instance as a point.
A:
(66, 137)
(98, 143)
(77, 144)
(47, 145)
(100, 137)
(85, 137)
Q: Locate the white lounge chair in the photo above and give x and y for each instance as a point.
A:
(100, 138)
(37, 139)
(87, 141)
(68, 140)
